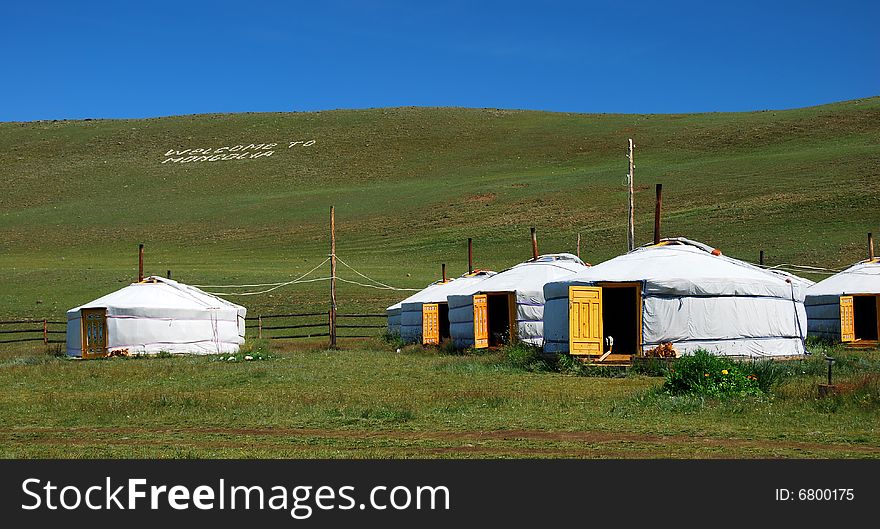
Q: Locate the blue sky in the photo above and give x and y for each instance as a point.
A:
(67, 60)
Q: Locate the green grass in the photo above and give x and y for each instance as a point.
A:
(369, 401)
(410, 185)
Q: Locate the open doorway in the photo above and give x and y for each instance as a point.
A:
(621, 318)
(443, 321)
(865, 323)
(501, 318)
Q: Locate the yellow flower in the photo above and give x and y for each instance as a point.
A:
(706, 375)
(723, 371)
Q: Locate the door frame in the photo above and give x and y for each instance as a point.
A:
(86, 351)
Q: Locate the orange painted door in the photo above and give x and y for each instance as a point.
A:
(585, 320)
(94, 332)
(430, 324)
(847, 322)
(481, 321)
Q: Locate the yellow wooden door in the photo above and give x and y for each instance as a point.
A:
(585, 320)
(430, 324)
(847, 322)
(94, 332)
(481, 321)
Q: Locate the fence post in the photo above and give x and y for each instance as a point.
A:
(260, 327)
(332, 316)
(45, 332)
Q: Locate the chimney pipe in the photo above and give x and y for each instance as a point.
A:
(168, 274)
(534, 245)
(140, 262)
(657, 207)
(761, 258)
(870, 246)
(470, 255)
(443, 271)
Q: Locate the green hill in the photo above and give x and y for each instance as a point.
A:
(410, 185)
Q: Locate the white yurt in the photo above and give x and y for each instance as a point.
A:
(152, 316)
(846, 306)
(508, 306)
(430, 307)
(680, 292)
(393, 312)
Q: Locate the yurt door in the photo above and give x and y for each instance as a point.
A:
(94, 332)
(430, 324)
(585, 320)
(481, 321)
(847, 322)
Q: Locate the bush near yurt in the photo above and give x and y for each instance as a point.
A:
(711, 376)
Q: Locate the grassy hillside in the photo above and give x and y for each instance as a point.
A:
(410, 185)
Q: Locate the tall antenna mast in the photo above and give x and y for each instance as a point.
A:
(630, 233)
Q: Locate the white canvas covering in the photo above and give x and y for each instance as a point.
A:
(162, 315)
(823, 298)
(411, 308)
(526, 280)
(393, 312)
(695, 300)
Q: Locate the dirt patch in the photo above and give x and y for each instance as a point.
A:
(584, 437)
(485, 198)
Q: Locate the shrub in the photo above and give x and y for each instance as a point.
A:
(711, 376)
(521, 355)
(393, 339)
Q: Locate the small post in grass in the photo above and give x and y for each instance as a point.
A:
(829, 388)
(579, 246)
(260, 327)
(45, 332)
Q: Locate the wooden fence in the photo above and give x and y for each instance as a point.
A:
(24, 331)
(314, 325)
(268, 326)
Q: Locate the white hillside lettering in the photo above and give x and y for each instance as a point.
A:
(250, 151)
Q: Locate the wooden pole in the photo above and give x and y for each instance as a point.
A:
(761, 258)
(140, 262)
(260, 327)
(45, 332)
(630, 233)
(332, 319)
(657, 206)
(534, 244)
(579, 245)
(470, 255)
(870, 246)
(443, 271)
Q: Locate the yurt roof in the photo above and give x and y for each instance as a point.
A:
(534, 273)
(438, 290)
(159, 293)
(861, 278)
(683, 266)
